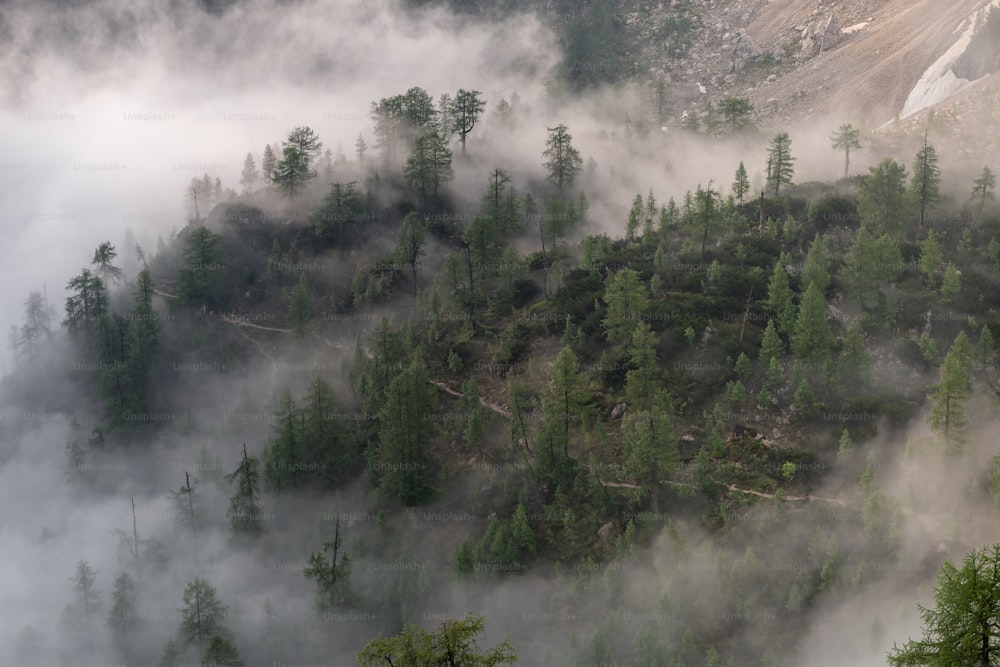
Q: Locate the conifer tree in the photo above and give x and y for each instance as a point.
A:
(813, 339)
(930, 258)
(741, 184)
(405, 428)
(330, 568)
(300, 310)
(950, 283)
(244, 512)
(844, 139)
(202, 615)
(926, 183)
(562, 160)
(779, 162)
(816, 268)
(284, 452)
(947, 415)
(983, 191)
(221, 653)
(770, 344)
(626, 299)
(779, 300)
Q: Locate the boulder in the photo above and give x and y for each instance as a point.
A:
(746, 51)
(820, 36)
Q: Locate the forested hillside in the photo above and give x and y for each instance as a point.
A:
(496, 371)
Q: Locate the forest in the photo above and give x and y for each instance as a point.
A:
(510, 382)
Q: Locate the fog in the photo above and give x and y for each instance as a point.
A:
(111, 108)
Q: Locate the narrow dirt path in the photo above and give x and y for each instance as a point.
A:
(482, 399)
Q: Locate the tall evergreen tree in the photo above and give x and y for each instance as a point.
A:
(463, 112)
(930, 258)
(626, 299)
(562, 160)
(300, 310)
(283, 455)
(813, 339)
(200, 279)
(816, 268)
(268, 161)
(884, 204)
(429, 166)
(244, 513)
(926, 184)
(405, 428)
(330, 568)
(741, 184)
(983, 190)
(123, 616)
(780, 300)
(220, 652)
(779, 160)
(846, 137)
(202, 615)
(410, 245)
(104, 256)
(947, 415)
(249, 176)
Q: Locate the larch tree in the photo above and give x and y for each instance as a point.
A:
(104, 256)
(947, 414)
(429, 166)
(220, 652)
(300, 309)
(925, 187)
(741, 183)
(249, 176)
(780, 300)
(330, 569)
(930, 258)
(816, 267)
(203, 269)
(884, 203)
(410, 245)
(846, 138)
(626, 299)
(268, 161)
(284, 451)
(562, 160)
(202, 615)
(406, 426)
(961, 628)
(812, 340)
(983, 191)
(779, 161)
(244, 513)
(463, 112)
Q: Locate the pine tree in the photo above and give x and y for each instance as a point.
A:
(779, 300)
(884, 204)
(202, 614)
(221, 653)
(947, 415)
(249, 175)
(123, 618)
(87, 597)
(187, 504)
(856, 367)
(844, 139)
(330, 568)
(566, 399)
(985, 349)
(429, 166)
(360, 147)
(626, 299)
(741, 185)
(562, 161)
(300, 310)
(463, 111)
(779, 161)
(405, 428)
(950, 284)
(244, 512)
(813, 339)
(983, 191)
(268, 162)
(203, 269)
(930, 258)
(284, 452)
(770, 344)
(109, 274)
(926, 183)
(816, 268)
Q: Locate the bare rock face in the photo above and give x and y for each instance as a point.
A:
(746, 51)
(619, 411)
(820, 36)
